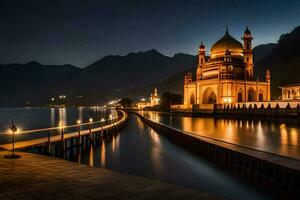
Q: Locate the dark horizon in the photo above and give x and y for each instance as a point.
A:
(80, 33)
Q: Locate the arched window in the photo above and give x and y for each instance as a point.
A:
(251, 95)
(260, 97)
(240, 97)
(247, 46)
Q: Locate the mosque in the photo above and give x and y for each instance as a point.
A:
(226, 76)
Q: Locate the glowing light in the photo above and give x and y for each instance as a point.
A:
(102, 120)
(227, 100)
(78, 121)
(282, 126)
(91, 120)
(61, 124)
(110, 116)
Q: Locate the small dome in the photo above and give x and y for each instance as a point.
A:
(226, 43)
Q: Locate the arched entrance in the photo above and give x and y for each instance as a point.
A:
(192, 99)
(209, 97)
(251, 95)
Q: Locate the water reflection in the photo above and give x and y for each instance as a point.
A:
(141, 151)
(62, 117)
(102, 154)
(265, 136)
(91, 156)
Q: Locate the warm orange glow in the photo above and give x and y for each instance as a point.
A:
(78, 121)
(61, 125)
(103, 154)
(227, 99)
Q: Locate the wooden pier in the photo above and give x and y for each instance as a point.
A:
(106, 129)
(35, 176)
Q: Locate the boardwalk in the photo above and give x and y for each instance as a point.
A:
(57, 138)
(40, 177)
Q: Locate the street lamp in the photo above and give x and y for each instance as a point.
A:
(102, 123)
(13, 129)
(62, 130)
(110, 117)
(91, 124)
(79, 127)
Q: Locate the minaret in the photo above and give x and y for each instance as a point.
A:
(268, 80)
(155, 92)
(201, 61)
(248, 56)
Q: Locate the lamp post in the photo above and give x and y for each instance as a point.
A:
(111, 118)
(79, 127)
(91, 127)
(102, 122)
(63, 144)
(62, 130)
(13, 130)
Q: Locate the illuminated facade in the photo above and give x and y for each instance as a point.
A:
(154, 100)
(290, 92)
(226, 76)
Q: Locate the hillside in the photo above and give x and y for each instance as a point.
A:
(32, 82)
(283, 61)
(107, 78)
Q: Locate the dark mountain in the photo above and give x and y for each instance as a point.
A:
(117, 76)
(133, 70)
(134, 75)
(261, 51)
(109, 77)
(32, 82)
(283, 61)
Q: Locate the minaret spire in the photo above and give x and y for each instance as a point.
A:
(226, 32)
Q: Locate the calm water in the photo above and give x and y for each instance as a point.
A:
(270, 137)
(35, 118)
(141, 151)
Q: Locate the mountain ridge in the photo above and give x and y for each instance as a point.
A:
(134, 74)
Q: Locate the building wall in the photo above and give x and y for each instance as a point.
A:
(190, 94)
(215, 91)
(290, 93)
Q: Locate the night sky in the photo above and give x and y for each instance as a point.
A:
(82, 32)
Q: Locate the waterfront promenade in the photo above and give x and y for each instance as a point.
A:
(276, 170)
(42, 177)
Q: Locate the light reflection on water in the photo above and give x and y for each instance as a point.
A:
(265, 136)
(141, 151)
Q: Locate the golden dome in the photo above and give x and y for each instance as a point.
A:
(226, 43)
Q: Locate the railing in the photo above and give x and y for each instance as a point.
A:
(63, 135)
